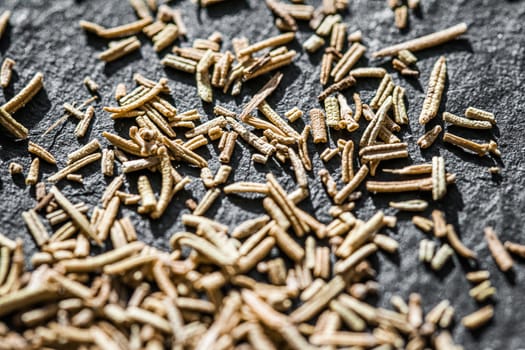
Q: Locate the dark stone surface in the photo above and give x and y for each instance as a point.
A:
(486, 69)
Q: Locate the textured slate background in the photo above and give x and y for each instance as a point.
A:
(486, 69)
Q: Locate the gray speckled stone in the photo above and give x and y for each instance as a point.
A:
(486, 69)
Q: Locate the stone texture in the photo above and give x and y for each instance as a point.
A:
(486, 70)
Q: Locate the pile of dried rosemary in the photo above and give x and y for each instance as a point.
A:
(202, 294)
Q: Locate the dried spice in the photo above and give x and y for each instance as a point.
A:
(294, 114)
(25, 95)
(75, 112)
(120, 49)
(480, 149)
(148, 200)
(108, 162)
(326, 66)
(33, 173)
(500, 255)
(73, 167)
(401, 17)
(458, 246)
(410, 205)
(400, 113)
(6, 71)
(74, 214)
(407, 57)
(347, 62)
(313, 43)
(142, 100)
(276, 120)
(443, 254)
(417, 169)
(317, 121)
(256, 142)
(424, 184)
(117, 32)
(351, 186)
(347, 115)
(261, 95)
(368, 72)
(327, 24)
(337, 38)
(482, 291)
(439, 182)
(165, 37)
(372, 131)
(10, 124)
(184, 298)
(439, 223)
(383, 152)
(478, 318)
(429, 137)
(83, 125)
(387, 79)
(336, 87)
(270, 42)
(436, 86)
(332, 112)
(36, 227)
(41, 152)
(75, 178)
(91, 85)
(466, 123)
(347, 157)
(481, 115)
(515, 248)
(426, 250)
(87, 149)
(478, 276)
(425, 42)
